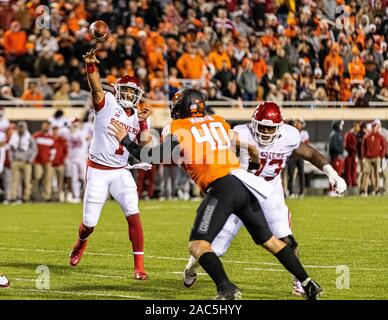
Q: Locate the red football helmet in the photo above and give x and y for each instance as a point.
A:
(266, 121)
(128, 91)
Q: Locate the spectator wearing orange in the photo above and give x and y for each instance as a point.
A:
(346, 90)
(333, 59)
(259, 65)
(15, 40)
(155, 59)
(190, 64)
(33, 94)
(219, 56)
(356, 69)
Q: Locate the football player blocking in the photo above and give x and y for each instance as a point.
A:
(228, 188)
(106, 173)
(275, 141)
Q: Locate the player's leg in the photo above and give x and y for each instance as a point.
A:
(367, 171)
(254, 220)
(140, 178)
(291, 178)
(96, 193)
(75, 181)
(212, 214)
(384, 167)
(48, 181)
(37, 177)
(377, 166)
(123, 189)
(220, 245)
(278, 218)
(302, 182)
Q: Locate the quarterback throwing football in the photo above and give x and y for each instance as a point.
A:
(106, 172)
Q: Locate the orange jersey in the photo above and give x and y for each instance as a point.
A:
(205, 147)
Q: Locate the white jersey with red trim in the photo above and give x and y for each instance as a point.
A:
(78, 141)
(105, 149)
(272, 157)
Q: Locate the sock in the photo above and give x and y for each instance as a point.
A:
(136, 236)
(213, 266)
(193, 264)
(84, 232)
(289, 260)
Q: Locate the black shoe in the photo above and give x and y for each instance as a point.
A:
(312, 290)
(229, 292)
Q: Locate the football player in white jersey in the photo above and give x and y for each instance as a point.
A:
(275, 141)
(106, 173)
(78, 141)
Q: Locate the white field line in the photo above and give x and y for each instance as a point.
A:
(74, 293)
(181, 273)
(263, 269)
(185, 259)
(351, 240)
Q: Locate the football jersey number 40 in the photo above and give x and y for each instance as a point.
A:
(211, 134)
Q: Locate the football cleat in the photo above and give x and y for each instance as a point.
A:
(189, 278)
(4, 282)
(140, 275)
(229, 292)
(77, 252)
(312, 290)
(297, 288)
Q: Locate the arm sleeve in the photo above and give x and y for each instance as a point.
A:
(169, 149)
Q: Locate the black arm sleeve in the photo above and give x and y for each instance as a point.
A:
(166, 152)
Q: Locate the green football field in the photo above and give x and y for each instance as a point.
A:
(335, 236)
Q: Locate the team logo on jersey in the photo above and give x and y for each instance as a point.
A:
(118, 112)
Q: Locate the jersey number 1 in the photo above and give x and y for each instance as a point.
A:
(211, 135)
(120, 150)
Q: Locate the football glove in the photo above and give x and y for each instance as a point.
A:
(336, 182)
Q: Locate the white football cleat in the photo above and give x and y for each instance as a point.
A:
(189, 278)
(4, 282)
(297, 288)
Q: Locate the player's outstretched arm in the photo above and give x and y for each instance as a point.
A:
(93, 77)
(162, 153)
(309, 153)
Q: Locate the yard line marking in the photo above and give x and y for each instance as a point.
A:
(81, 293)
(263, 269)
(347, 239)
(106, 276)
(181, 273)
(185, 259)
(22, 279)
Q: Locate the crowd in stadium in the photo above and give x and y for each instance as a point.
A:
(282, 50)
(50, 164)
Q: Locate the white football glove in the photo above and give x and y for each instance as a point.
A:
(335, 180)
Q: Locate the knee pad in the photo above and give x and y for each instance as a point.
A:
(290, 241)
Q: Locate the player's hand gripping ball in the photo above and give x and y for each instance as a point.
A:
(99, 30)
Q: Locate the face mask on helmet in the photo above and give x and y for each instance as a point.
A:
(128, 95)
(264, 133)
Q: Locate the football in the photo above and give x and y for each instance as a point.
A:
(99, 30)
